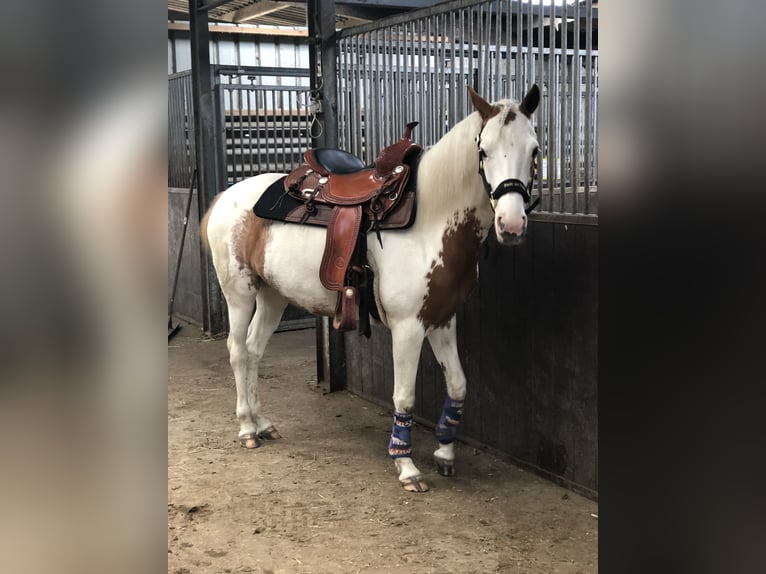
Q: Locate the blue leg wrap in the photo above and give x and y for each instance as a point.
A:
(446, 429)
(400, 444)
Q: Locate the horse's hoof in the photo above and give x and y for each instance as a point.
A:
(249, 441)
(445, 467)
(414, 484)
(270, 433)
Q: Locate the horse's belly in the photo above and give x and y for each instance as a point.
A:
(291, 265)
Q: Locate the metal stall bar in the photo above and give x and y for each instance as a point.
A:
(498, 42)
(551, 148)
(588, 101)
(576, 104)
(519, 79)
(563, 109)
(213, 314)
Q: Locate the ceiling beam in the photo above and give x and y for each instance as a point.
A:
(256, 10)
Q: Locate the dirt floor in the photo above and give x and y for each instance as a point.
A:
(325, 498)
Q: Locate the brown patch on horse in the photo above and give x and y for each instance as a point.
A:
(509, 117)
(250, 238)
(203, 223)
(451, 281)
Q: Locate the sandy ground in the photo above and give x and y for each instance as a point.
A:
(325, 499)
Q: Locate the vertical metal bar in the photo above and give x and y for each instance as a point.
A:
(563, 104)
(543, 90)
(212, 311)
(576, 103)
(342, 113)
(453, 85)
(474, 85)
(279, 130)
(284, 123)
(498, 50)
(366, 85)
(228, 125)
(393, 78)
(530, 30)
(372, 127)
(480, 53)
(292, 95)
(552, 91)
(404, 68)
(519, 62)
(393, 102)
(442, 96)
(257, 96)
(250, 130)
(352, 88)
(388, 100)
(363, 94)
(419, 85)
(245, 172)
(507, 25)
(461, 95)
(433, 47)
(588, 96)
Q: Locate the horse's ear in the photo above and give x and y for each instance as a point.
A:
(485, 109)
(530, 101)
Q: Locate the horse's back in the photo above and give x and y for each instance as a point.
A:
(230, 205)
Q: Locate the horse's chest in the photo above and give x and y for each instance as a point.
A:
(454, 273)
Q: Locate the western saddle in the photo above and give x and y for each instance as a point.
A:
(359, 199)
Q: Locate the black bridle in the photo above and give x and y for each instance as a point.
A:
(510, 185)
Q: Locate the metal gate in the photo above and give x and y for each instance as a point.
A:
(264, 123)
(416, 66)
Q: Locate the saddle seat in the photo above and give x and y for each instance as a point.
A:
(325, 160)
(339, 181)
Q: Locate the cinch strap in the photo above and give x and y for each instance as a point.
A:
(400, 444)
(446, 429)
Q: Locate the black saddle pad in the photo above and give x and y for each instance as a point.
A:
(276, 203)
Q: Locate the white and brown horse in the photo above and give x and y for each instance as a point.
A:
(475, 178)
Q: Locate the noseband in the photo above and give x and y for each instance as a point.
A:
(510, 185)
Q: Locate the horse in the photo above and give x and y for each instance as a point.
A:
(476, 178)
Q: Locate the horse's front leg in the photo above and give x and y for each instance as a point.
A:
(444, 345)
(407, 341)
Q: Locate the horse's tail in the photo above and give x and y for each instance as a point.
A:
(203, 223)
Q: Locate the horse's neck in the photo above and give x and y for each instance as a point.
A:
(448, 180)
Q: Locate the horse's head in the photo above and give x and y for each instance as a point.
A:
(507, 148)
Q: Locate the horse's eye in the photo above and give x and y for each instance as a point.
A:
(535, 152)
(482, 153)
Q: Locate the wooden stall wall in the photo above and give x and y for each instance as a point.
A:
(528, 341)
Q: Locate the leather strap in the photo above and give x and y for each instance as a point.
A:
(340, 241)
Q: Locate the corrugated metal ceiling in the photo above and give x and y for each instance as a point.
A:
(276, 13)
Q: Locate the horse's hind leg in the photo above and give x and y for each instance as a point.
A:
(240, 306)
(407, 341)
(268, 310)
(444, 345)
(246, 342)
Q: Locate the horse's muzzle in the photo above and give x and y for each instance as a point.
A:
(510, 239)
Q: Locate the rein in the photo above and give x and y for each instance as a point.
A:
(511, 185)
